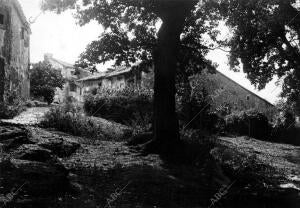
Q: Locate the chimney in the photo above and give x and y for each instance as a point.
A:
(48, 56)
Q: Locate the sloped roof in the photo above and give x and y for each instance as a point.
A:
(93, 77)
(64, 64)
(122, 70)
(250, 92)
(117, 71)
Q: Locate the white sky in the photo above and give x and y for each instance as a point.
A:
(59, 35)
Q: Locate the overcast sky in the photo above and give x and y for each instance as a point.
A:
(59, 35)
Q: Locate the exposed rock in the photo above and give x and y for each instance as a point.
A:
(16, 142)
(9, 131)
(30, 161)
(60, 146)
(33, 152)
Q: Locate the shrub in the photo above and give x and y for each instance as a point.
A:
(133, 107)
(12, 105)
(69, 119)
(194, 109)
(284, 128)
(251, 123)
(123, 106)
(10, 111)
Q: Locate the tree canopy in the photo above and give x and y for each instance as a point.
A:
(266, 40)
(131, 29)
(44, 80)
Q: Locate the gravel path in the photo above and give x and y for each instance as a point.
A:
(31, 116)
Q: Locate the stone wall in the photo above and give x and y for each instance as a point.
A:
(14, 42)
(223, 90)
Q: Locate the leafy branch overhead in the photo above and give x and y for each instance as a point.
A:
(131, 29)
(266, 39)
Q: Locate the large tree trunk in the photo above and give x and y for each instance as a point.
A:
(166, 128)
(2, 79)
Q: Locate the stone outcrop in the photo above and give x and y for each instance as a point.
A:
(32, 167)
(60, 146)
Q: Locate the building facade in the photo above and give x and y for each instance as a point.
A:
(116, 79)
(14, 50)
(226, 92)
(70, 89)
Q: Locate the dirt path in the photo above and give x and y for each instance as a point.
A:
(283, 157)
(31, 116)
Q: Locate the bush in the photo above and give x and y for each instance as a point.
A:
(251, 123)
(284, 128)
(10, 111)
(133, 107)
(12, 105)
(129, 106)
(69, 119)
(194, 109)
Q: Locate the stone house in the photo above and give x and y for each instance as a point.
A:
(222, 89)
(14, 50)
(118, 78)
(71, 75)
(225, 91)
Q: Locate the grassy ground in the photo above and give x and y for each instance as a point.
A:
(241, 172)
(111, 174)
(283, 157)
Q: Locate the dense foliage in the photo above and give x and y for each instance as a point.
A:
(69, 119)
(10, 111)
(129, 106)
(131, 29)
(133, 107)
(194, 108)
(248, 123)
(44, 80)
(12, 106)
(284, 127)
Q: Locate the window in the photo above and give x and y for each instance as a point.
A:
(72, 87)
(99, 84)
(1, 19)
(248, 97)
(22, 33)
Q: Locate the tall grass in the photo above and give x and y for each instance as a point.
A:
(71, 120)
